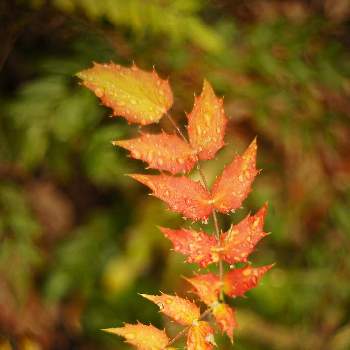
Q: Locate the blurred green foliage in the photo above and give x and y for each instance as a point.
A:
(79, 239)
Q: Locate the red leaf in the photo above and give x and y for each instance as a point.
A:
(200, 337)
(234, 184)
(161, 151)
(206, 123)
(181, 194)
(225, 318)
(196, 245)
(181, 310)
(240, 240)
(237, 282)
(139, 96)
(142, 336)
(207, 287)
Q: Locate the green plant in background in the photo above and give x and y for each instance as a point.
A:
(284, 71)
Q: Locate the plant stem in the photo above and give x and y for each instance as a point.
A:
(215, 217)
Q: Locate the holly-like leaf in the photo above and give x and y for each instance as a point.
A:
(206, 123)
(197, 245)
(234, 184)
(182, 194)
(161, 151)
(225, 318)
(142, 336)
(207, 287)
(181, 310)
(240, 240)
(237, 282)
(200, 337)
(139, 96)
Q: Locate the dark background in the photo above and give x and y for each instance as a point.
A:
(78, 239)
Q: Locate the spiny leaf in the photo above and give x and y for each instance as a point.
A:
(237, 282)
(225, 318)
(240, 240)
(206, 123)
(181, 310)
(142, 336)
(196, 245)
(200, 337)
(181, 194)
(161, 151)
(139, 96)
(206, 286)
(234, 184)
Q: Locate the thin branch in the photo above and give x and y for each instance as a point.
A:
(205, 183)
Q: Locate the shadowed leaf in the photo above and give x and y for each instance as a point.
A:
(225, 318)
(200, 337)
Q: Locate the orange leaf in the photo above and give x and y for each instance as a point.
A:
(139, 96)
(234, 184)
(181, 310)
(142, 336)
(207, 287)
(240, 240)
(196, 245)
(237, 282)
(161, 151)
(181, 194)
(225, 318)
(206, 123)
(200, 337)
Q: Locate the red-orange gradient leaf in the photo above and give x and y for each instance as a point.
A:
(181, 310)
(237, 282)
(161, 151)
(182, 194)
(206, 123)
(200, 337)
(197, 245)
(207, 287)
(240, 240)
(225, 318)
(234, 184)
(142, 336)
(139, 96)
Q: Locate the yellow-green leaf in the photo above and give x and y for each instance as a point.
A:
(140, 97)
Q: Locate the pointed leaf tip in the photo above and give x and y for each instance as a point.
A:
(240, 240)
(161, 151)
(181, 310)
(237, 282)
(139, 96)
(143, 337)
(182, 194)
(225, 318)
(207, 123)
(234, 184)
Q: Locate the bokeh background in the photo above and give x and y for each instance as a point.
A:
(78, 239)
